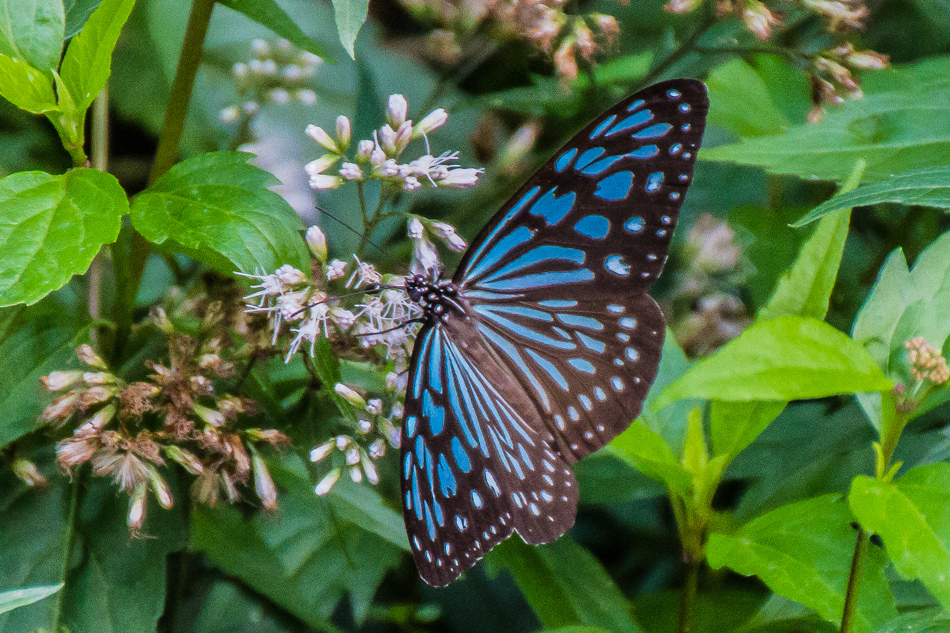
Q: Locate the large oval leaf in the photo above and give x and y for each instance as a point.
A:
(51, 228)
(218, 209)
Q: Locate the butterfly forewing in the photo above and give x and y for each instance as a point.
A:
(552, 342)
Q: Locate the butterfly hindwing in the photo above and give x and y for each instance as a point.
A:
(477, 461)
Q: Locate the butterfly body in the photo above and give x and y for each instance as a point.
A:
(544, 344)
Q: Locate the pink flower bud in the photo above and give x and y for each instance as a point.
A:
(364, 151)
(432, 121)
(326, 484)
(397, 111)
(323, 139)
(343, 132)
(317, 242)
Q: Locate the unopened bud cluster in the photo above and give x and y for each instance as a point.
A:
(356, 454)
(927, 363)
(379, 158)
(277, 73)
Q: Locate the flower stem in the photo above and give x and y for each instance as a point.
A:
(72, 515)
(688, 599)
(854, 582)
(688, 46)
(100, 161)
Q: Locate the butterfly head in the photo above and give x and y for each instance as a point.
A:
(433, 296)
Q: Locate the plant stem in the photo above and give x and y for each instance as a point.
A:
(688, 46)
(72, 514)
(688, 599)
(100, 161)
(191, 51)
(854, 582)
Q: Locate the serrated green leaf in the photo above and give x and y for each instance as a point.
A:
(929, 187)
(783, 359)
(77, 12)
(803, 551)
(739, 101)
(349, 15)
(308, 559)
(734, 425)
(13, 598)
(25, 87)
(805, 290)
(649, 453)
(268, 13)
(901, 124)
(912, 517)
(88, 60)
(565, 584)
(218, 208)
(51, 228)
(33, 31)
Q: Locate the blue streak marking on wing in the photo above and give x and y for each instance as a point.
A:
(636, 104)
(471, 427)
(631, 121)
(581, 364)
(522, 330)
(435, 364)
(430, 472)
(647, 151)
(492, 484)
(558, 303)
(416, 499)
(615, 186)
(592, 344)
(549, 368)
(602, 165)
(530, 282)
(606, 123)
(417, 377)
(420, 451)
(577, 320)
(525, 199)
(447, 485)
(536, 256)
(461, 457)
(407, 465)
(653, 131)
(595, 227)
(654, 181)
(525, 458)
(511, 464)
(434, 412)
(429, 522)
(589, 156)
(552, 208)
(509, 349)
(514, 239)
(530, 313)
(411, 426)
(565, 159)
(476, 499)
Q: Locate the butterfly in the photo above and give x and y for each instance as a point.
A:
(543, 345)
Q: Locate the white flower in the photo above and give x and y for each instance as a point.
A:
(250, 108)
(343, 131)
(377, 449)
(342, 318)
(372, 475)
(321, 451)
(356, 474)
(397, 111)
(342, 441)
(260, 47)
(322, 182)
(353, 456)
(364, 426)
(391, 379)
(432, 121)
(424, 257)
(289, 275)
(461, 178)
(397, 411)
(364, 150)
(292, 305)
(350, 171)
(326, 484)
(306, 96)
(349, 395)
(411, 183)
(292, 72)
(270, 286)
(317, 241)
(365, 273)
(374, 406)
(279, 95)
(229, 114)
(239, 71)
(416, 229)
(309, 330)
(322, 139)
(335, 269)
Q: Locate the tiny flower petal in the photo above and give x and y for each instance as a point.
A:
(326, 484)
(343, 132)
(432, 121)
(317, 241)
(322, 139)
(397, 111)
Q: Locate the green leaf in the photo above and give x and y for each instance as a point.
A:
(88, 61)
(781, 615)
(312, 556)
(740, 101)
(926, 621)
(783, 359)
(668, 422)
(77, 12)
(565, 584)
(805, 290)
(648, 452)
(803, 552)
(32, 31)
(268, 13)
(39, 345)
(734, 425)
(25, 87)
(912, 517)
(350, 15)
(51, 228)
(13, 598)
(904, 304)
(929, 187)
(217, 208)
(901, 124)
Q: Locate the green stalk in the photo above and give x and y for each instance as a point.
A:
(131, 254)
(100, 161)
(688, 600)
(72, 515)
(854, 582)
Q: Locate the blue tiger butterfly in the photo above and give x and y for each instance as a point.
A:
(542, 347)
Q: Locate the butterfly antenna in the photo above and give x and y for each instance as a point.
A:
(363, 237)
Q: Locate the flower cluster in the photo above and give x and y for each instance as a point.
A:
(129, 431)
(278, 73)
(706, 310)
(831, 76)
(356, 454)
(378, 159)
(544, 24)
(926, 361)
